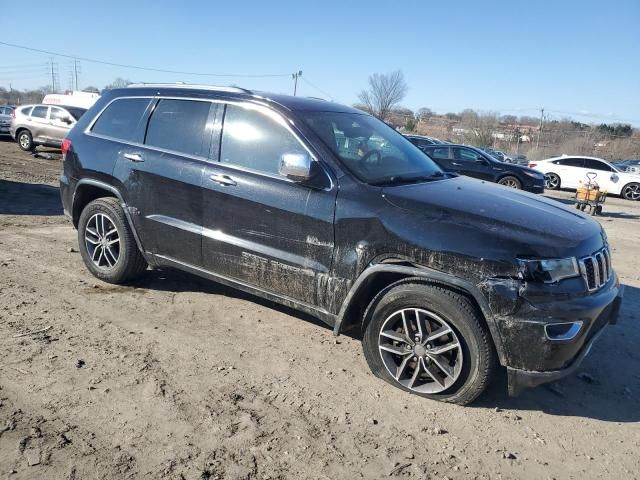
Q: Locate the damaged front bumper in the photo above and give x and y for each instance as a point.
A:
(554, 358)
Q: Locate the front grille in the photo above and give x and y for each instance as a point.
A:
(596, 269)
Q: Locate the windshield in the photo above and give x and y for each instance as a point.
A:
(371, 150)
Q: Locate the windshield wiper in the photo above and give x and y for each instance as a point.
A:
(400, 179)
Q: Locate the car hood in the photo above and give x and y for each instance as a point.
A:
(476, 216)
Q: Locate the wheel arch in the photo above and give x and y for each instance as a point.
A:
(551, 172)
(380, 276)
(88, 190)
(510, 174)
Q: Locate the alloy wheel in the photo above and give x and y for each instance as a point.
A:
(509, 182)
(551, 181)
(420, 350)
(632, 192)
(24, 141)
(102, 241)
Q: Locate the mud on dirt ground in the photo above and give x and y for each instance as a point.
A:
(175, 377)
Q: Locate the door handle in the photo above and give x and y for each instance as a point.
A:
(134, 157)
(223, 179)
(456, 164)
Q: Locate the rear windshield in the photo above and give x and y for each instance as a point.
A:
(76, 112)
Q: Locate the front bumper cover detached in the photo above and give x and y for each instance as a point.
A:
(519, 379)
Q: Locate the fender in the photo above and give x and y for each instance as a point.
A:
(430, 275)
(116, 192)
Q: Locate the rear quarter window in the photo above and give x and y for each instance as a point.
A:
(26, 111)
(120, 119)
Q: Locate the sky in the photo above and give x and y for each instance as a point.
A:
(578, 59)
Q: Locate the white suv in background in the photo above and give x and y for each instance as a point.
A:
(567, 172)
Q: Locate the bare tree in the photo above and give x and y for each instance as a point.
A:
(385, 92)
(118, 83)
(480, 127)
(424, 113)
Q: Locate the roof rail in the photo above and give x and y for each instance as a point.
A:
(189, 85)
(318, 98)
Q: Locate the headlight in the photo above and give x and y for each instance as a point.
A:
(533, 174)
(549, 271)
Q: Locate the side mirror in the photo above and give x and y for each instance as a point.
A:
(295, 166)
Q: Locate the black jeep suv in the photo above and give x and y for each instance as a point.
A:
(323, 208)
(477, 163)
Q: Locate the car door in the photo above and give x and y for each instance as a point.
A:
(162, 175)
(571, 171)
(440, 155)
(606, 177)
(471, 163)
(38, 123)
(260, 228)
(60, 122)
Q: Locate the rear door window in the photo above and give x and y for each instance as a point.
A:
(120, 119)
(181, 126)
(253, 140)
(39, 112)
(571, 162)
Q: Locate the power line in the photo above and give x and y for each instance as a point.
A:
(317, 88)
(148, 69)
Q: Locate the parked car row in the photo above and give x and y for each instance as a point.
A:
(621, 178)
(474, 162)
(629, 166)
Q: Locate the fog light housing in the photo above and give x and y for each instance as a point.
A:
(562, 332)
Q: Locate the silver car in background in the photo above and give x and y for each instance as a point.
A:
(6, 112)
(45, 125)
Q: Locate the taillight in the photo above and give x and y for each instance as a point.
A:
(533, 165)
(66, 145)
(13, 114)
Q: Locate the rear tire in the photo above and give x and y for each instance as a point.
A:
(25, 141)
(463, 359)
(551, 181)
(511, 182)
(107, 244)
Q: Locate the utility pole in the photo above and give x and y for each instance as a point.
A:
(540, 127)
(75, 72)
(53, 78)
(295, 77)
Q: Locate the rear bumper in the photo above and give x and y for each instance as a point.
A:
(520, 379)
(65, 195)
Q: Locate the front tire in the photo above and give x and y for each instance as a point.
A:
(25, 141)
(429, 341)
(631, 191)
(511, 182)
(106, 242)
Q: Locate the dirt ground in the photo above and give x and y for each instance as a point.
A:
(180, 378)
